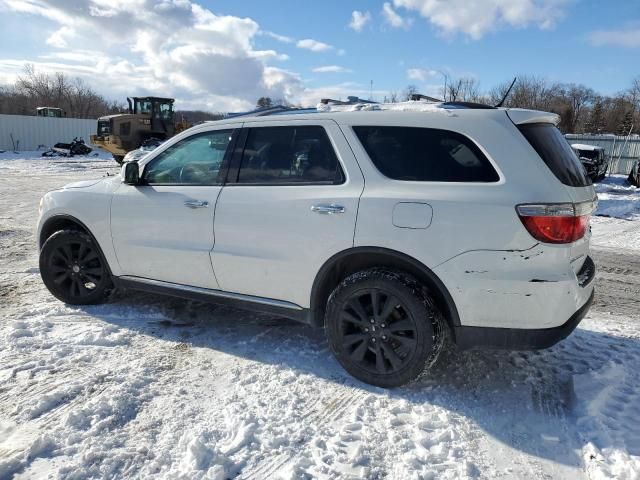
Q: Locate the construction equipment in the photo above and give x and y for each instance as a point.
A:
(76, 147)
(148, 117)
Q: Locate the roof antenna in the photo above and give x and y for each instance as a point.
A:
(508, 92)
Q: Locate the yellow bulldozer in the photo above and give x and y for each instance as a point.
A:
(148, 118)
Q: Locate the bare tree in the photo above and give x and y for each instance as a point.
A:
(409, 92)
(392, 97)
(36, 89)
(464, 89)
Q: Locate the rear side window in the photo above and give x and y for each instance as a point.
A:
(285, 155)
(425, 155)
(556, 152)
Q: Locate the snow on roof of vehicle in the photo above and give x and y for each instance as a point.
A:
(354, 104)
(408, 106)
(356, 107)
(584, 146)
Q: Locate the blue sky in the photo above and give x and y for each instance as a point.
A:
(221, 54)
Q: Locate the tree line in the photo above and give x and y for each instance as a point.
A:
(35, 89)
(581, 109)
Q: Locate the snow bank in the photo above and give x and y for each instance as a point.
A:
(95, 155)
(607, 415)
(617, 198)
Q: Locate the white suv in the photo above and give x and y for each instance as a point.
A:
(399, 229)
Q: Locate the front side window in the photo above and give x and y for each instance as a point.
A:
(425, 155)
(196, 160)
(144, 106)
(283, 155)
(166, 111)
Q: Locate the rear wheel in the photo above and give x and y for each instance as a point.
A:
(383, 328)
(73, 270)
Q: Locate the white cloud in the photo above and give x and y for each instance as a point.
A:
(171, 48)
(359, 20)
(420, 74)
(625, 37)
(60, 37)
(392, 17)
(314, 45)
(476, 18)
(280, 38)
(331, 69)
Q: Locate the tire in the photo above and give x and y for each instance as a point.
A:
(119, 159)
(395, 346)
(73, 268)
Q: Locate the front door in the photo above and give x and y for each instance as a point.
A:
(289, 204)
(163, 228)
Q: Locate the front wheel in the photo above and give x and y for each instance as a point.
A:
(383, 328)
(73, 269)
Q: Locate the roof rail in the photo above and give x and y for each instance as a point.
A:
(418, 96)
(261, 112)
(351, 100)
(470, 105)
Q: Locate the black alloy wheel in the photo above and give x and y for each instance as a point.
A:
(382, 328)
(73, 269)
(378, 332)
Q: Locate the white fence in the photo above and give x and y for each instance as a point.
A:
(21, 132)
(624, 151)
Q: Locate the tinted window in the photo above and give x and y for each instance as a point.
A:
(425, 154)
(196, 160)
(280, 155)
(556, 152)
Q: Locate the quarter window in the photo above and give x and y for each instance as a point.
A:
(556, 152)
(425, 154)
(196, 160)
(285, 155)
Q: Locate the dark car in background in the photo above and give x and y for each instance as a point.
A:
(634, 175)
(594, 158)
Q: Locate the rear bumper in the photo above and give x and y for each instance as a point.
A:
(534, 289)
(516, 338)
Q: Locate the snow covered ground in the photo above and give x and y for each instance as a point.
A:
(151, 387)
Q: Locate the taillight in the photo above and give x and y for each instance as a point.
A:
(558, 222)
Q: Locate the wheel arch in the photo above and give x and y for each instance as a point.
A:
(61, 222)
(67, 222)
(355, 259)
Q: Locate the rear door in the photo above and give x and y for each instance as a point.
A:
(163, 228)
(289, 204)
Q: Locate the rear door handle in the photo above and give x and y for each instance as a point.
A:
(196, 204)
(327, 209)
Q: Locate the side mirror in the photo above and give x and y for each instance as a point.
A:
(131, 173)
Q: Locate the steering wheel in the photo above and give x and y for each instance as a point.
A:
(188, 174)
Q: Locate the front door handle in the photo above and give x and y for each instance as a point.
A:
(196, 204)
(327, 209)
